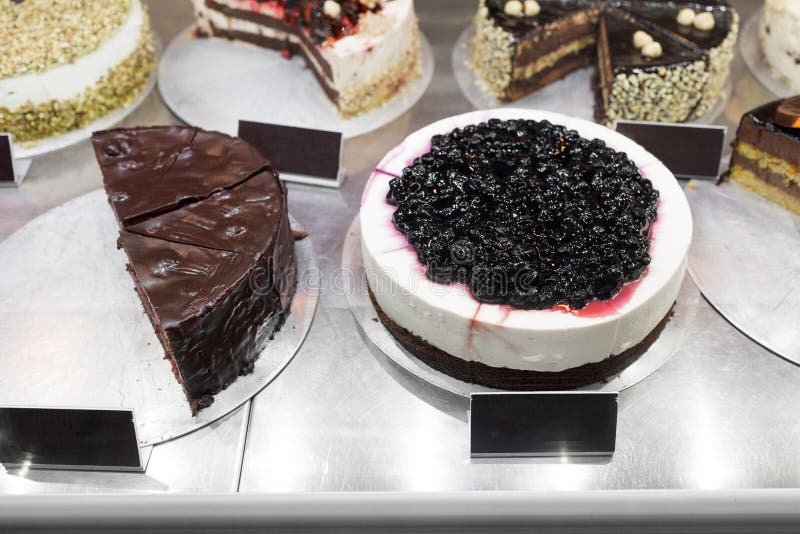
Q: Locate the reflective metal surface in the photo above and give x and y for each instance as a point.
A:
(745, 260)
(573, 95)
(364, 312)
(754, 58)
(257, 84)
(77, 324)
(721, 413)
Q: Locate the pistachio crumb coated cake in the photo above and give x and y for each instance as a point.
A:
(362, 52)
(766, 152)
(521, 249)
(655, 60)
(66, 63)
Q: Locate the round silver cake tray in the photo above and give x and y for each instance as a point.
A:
(754, 58)
(75, 333)
(571, 95)
(213, 83)
(59, 142)
(744, 258)
(671, 338)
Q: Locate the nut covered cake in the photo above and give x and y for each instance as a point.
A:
(655, 60)
(361, 51)
(519, 249)
(204, 223)
(766, 152)
(66, 63)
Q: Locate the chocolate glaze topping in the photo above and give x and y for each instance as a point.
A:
(205, 226)
(527, 214)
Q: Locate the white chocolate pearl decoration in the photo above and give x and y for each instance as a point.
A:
(686, 16)
(532, 8)
(641, 39)
(652, 50)
(704, 21)
(332, 9)
(513, 8)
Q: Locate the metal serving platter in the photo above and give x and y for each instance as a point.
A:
(744, 258)
(571, 95)
(75, 334)
(59, 142)
(364, 312)
(212, 83)
(754, 58)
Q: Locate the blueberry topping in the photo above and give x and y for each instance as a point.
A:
(526, 213)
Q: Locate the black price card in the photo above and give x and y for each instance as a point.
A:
(8, 175)
(300, 154)
(688, 150)
(64, 438)
(539, 424)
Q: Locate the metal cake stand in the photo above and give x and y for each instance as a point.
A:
(364, 312)
(212, 83)
(75, 334)
(754, 59)
(744, 258)
(571, 95)
(59, 142)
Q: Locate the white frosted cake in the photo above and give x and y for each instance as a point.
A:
(362, 52)
(779, 33)
(530, 333)
(66, 63)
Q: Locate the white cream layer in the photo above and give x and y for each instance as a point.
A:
(449, 318)
(782, 44)
(353, 59)
(66, 81)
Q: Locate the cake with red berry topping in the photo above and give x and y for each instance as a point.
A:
(521, 249)
(361, 51)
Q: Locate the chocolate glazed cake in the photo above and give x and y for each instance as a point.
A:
(766, 156)
(204, 222)
(672, 71)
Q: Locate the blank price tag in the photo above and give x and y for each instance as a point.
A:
(688, 150)
(65, 438)
(8, 175)
(300, 154)
(572, 423)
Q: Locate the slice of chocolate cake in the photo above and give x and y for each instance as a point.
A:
(204, 223)
(674, 71)
(663, 80)
(515, 55)
(766, 156)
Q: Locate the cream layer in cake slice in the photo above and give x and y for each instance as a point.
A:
(360, 64)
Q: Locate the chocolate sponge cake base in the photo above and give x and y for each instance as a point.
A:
(516, 379)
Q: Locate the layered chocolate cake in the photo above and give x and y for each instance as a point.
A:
(66, 64)
(521, 249)
(766, 155)
(655, 60)
(204, 222)
(361, 51)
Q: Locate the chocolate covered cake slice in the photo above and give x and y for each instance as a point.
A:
(514, 55)
(766, 156)
(204, 223)
(634, 83)
(674, 71)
